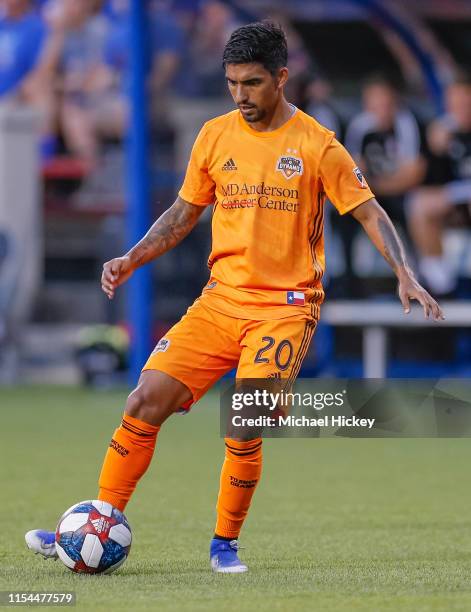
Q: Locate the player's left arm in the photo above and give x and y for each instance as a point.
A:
(382, 233)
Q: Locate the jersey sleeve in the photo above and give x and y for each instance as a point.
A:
(198, 187)
(341, 178)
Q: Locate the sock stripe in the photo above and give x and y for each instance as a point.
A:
(137, 429)
(239, 453)
(146, 426)
(138, 432)
(245, 444)
(125, 420)
(245, 454)
(255, 445)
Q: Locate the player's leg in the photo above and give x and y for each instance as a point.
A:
(132, 446)
(183, 366)
(274, 350)
(428, 210)
(155, 398)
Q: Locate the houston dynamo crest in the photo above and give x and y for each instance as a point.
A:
(289, 165)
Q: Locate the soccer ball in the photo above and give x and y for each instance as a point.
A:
(93, 537)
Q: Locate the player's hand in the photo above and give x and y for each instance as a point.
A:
(410, 289)
(115, 273)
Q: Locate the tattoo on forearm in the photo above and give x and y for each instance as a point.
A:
(169, 229)
(393, 250)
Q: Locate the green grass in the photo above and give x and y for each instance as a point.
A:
(336, 525)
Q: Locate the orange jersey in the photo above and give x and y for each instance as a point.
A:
(268, 190)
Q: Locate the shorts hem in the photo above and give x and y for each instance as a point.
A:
(196, 396)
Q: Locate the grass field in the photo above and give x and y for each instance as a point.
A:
(337, 525)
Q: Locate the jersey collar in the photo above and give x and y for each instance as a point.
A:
(270, 133)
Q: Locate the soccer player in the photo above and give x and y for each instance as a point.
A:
(266, 168)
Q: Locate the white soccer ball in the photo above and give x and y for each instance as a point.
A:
(93, 537)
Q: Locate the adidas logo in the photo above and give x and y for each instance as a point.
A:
(229, 165)
(276, 375)
(100, 525)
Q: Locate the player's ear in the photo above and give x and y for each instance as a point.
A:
(282, 77)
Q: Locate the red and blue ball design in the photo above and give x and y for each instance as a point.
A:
(93, 537)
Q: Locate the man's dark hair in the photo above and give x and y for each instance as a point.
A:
(262, 42)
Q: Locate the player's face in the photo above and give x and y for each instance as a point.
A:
(381, 101)
(458, 102)
(255, 90)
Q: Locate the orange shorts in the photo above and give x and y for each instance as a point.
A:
(206, 344)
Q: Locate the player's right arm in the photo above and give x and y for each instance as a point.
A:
(169, 229)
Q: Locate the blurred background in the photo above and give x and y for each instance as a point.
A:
(390, 77)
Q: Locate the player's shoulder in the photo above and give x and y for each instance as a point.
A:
(318, 137)
(221, 122)
(311, 125)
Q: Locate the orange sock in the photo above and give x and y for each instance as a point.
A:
(126, 460)
(239, 477)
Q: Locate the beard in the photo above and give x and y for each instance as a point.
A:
(253, 115)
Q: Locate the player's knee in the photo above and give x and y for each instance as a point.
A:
(147, 404)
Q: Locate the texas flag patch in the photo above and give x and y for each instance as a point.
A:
(295, 297)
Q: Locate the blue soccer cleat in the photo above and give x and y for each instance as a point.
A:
(223, 557)
(42, 543)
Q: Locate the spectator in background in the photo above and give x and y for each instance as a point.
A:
(23, 39)
(202, 78)
(91, 52)
(22, 35)
(385, 140)
(447, 189)
(73, 57)
(166, 47)
(167, 44)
